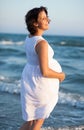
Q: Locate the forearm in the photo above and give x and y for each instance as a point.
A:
(49, 73)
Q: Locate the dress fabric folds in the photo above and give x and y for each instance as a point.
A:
(39, 94)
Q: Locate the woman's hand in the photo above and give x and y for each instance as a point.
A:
(62, 76)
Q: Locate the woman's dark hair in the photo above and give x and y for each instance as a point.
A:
(31, 17)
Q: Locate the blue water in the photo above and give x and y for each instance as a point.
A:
(69, 51)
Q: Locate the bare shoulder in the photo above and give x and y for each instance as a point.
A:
(43, 44)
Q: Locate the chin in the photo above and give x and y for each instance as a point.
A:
(46, 28)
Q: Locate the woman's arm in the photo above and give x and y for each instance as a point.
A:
(42, 51)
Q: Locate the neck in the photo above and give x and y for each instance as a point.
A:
(39, 33)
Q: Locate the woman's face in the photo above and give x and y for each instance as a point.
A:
(43, 21)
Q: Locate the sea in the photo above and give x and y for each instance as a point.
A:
(69, 52)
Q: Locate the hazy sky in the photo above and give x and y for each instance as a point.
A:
(67, 16)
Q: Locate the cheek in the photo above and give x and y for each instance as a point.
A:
(43, 24)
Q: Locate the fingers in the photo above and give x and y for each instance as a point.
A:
(62, 76)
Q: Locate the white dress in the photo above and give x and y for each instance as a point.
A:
(39, 95)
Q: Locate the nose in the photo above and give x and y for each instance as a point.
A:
(49, 20)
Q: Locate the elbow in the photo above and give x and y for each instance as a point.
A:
(44, 74)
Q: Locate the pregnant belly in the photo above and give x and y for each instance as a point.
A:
(54, 65)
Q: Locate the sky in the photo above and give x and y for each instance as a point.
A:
(67, 16)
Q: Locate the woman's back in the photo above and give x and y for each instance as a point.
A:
(31, 54)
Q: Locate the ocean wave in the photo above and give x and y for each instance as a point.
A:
(74, 100)
(9, 42)
(13, 87)
(79, 42)
(9, 85)
(10, 88)
(9, 39)
(67, 43)
(71, 43)
(65, 128)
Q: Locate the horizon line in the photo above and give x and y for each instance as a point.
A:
(13, 33)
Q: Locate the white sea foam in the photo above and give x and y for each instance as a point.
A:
(10, 88)
(65, 128)
(4, 42)
(2, 77)
(62, 42)
(20, 43)
(71, 99)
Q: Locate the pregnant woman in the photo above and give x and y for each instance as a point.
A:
(41, 75)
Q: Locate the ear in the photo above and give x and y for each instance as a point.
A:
(35, 24)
